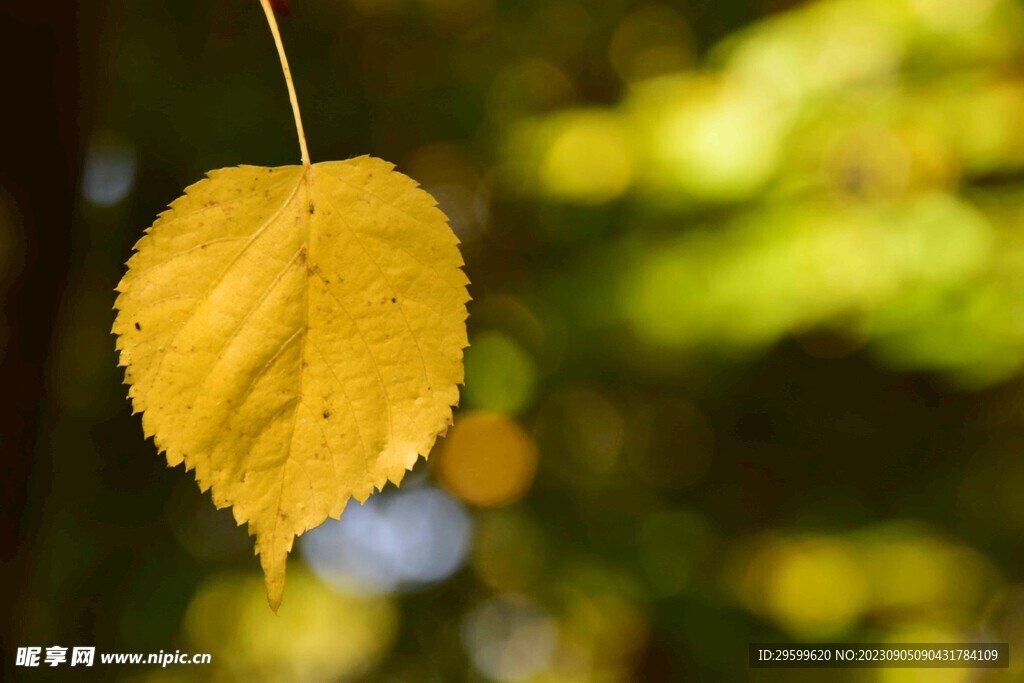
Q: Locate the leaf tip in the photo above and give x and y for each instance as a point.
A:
(273, 577)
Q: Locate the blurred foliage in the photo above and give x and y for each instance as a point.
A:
(747, 340)
(850, 166)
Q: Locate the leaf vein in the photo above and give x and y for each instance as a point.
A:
(225, 347)
(400, 303)
(259, 231)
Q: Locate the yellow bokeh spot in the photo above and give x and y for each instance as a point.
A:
(953, 15)
(928, 631)
(913, 570)
(929, 675)
(828, 46)
(589, 159)
(487, 459)
(318, 634)
(706, 137)
(816, 587)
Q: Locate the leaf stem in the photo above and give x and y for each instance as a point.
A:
(272, 20)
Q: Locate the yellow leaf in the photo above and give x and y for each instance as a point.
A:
(295, 335)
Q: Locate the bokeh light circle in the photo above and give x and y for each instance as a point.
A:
(487, 459)
(396, 541)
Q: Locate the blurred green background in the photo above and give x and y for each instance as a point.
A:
(747, 355)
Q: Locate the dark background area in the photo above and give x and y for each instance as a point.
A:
(732, 442)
